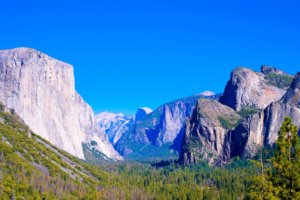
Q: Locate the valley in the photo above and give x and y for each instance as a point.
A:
(206, 146)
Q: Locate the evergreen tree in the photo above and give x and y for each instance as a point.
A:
(263, 189)
(286, 163)
(282, 180)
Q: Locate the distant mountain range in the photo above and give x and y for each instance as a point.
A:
(152, 134)
(208, 126)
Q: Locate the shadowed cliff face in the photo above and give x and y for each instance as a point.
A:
(41, 90)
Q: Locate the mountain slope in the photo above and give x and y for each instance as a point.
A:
(262, 129)
(41, 90)
(236, 126)
(30, 167)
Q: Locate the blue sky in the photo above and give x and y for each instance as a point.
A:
(128, 54)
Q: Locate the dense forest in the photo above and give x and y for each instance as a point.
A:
(31, 168)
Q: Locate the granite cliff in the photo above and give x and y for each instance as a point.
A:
(261, 129)
(247, 116)
(41, 90)
(249, 89)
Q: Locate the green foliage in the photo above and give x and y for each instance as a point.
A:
(262, 189)
(282, 179)
(279, 80)
(246, 112)
(32, 168)
(286, 173)
(199, 181)
(229, 123)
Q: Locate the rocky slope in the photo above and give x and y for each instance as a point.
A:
(249, 89)
(41, 90)
(159, 133)
(237, 125)
(206, 131)
(262, 129)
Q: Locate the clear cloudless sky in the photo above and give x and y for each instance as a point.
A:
(133, 53)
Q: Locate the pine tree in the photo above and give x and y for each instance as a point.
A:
(262, 188)
(282, 180)
(286, 163)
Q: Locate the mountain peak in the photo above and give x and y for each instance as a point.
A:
(292, 96)
(141, 113)
(146, 109)
(271, 70)
(247, 88)
(207, 93)
(32, 58)
(108, 115)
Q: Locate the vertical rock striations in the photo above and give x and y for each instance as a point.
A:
(206, 132)
(41, 90)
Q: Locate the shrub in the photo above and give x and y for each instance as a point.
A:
(228, 123)
(279, 80)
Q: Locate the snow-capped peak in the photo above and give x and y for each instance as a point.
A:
(108, 116)
(113, 125)
(207, 93)
(147, 110)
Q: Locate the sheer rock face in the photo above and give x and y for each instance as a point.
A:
(41, 90)
(205, 134)
(262, 128)
(249, 89)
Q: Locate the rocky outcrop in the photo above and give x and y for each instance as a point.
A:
(249, 89)
(206, 131)
(41, 90)
(262, 129)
